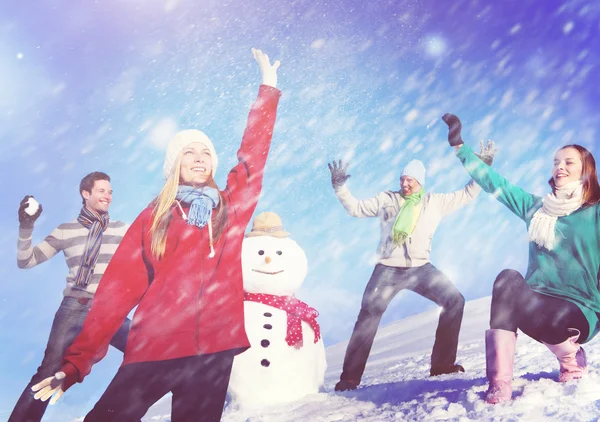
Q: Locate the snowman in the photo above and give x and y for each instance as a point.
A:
(286, 360)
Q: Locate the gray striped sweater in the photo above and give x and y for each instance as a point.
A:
(70, 238)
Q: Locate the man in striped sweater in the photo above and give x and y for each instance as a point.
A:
(88, 243)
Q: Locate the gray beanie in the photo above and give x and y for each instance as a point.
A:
(183, 139)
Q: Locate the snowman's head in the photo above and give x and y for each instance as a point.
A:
(273, 265)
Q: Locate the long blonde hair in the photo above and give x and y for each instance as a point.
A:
(163, 204)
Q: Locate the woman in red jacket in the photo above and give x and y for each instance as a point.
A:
(180, 264)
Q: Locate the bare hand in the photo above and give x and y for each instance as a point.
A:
(338, 173)
(268, 70)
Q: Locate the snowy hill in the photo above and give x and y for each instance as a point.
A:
(396, 385)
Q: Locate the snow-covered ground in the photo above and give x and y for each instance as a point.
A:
(397, 387)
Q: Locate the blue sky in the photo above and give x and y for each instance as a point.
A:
(101, 86)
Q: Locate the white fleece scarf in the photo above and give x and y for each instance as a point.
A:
(562, 202)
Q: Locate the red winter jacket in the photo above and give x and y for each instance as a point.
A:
(187, 303)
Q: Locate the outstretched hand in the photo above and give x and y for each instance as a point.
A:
(338, 173)
(49, 387)
(268, 70)
(487, 152)
(454, 128)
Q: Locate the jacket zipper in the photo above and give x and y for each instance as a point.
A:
(200, 294)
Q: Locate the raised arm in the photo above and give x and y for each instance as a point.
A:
(449, 202)
(123, 284)
(355, 207)
(521, 203)
(244, 181)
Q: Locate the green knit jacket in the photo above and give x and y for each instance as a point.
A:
(571, 270)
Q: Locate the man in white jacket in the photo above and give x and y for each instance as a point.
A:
(408, 218)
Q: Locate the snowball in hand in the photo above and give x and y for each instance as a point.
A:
(32, 207)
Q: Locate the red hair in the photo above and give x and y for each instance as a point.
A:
(589, 176)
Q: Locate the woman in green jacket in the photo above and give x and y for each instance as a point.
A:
(558, 300)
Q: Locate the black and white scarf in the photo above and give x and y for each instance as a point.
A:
(96, 224)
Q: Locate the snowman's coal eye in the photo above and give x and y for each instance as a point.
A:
(279, 252)
(261, 252)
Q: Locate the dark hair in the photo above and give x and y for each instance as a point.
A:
(87, 183)
(589, 176)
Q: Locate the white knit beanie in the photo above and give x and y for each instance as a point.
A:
(183, 139)
(416, 170)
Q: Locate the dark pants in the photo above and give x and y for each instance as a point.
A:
(544, 318)
(384, 284)
(67, 324)
(198, 383)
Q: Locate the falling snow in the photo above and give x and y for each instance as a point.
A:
(101, 85)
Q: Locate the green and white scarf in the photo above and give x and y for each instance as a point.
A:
(404, 224)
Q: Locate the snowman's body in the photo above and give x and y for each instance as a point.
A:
(272, 371)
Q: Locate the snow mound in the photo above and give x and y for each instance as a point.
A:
(396, 384)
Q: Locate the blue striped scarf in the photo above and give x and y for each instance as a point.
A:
(96, 224)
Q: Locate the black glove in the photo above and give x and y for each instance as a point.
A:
(25, 220)
(338, 173)
(454, 128)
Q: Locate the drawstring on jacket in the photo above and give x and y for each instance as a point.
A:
(210, 239)
(210, 236)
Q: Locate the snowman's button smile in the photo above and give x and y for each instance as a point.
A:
(267, 272)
